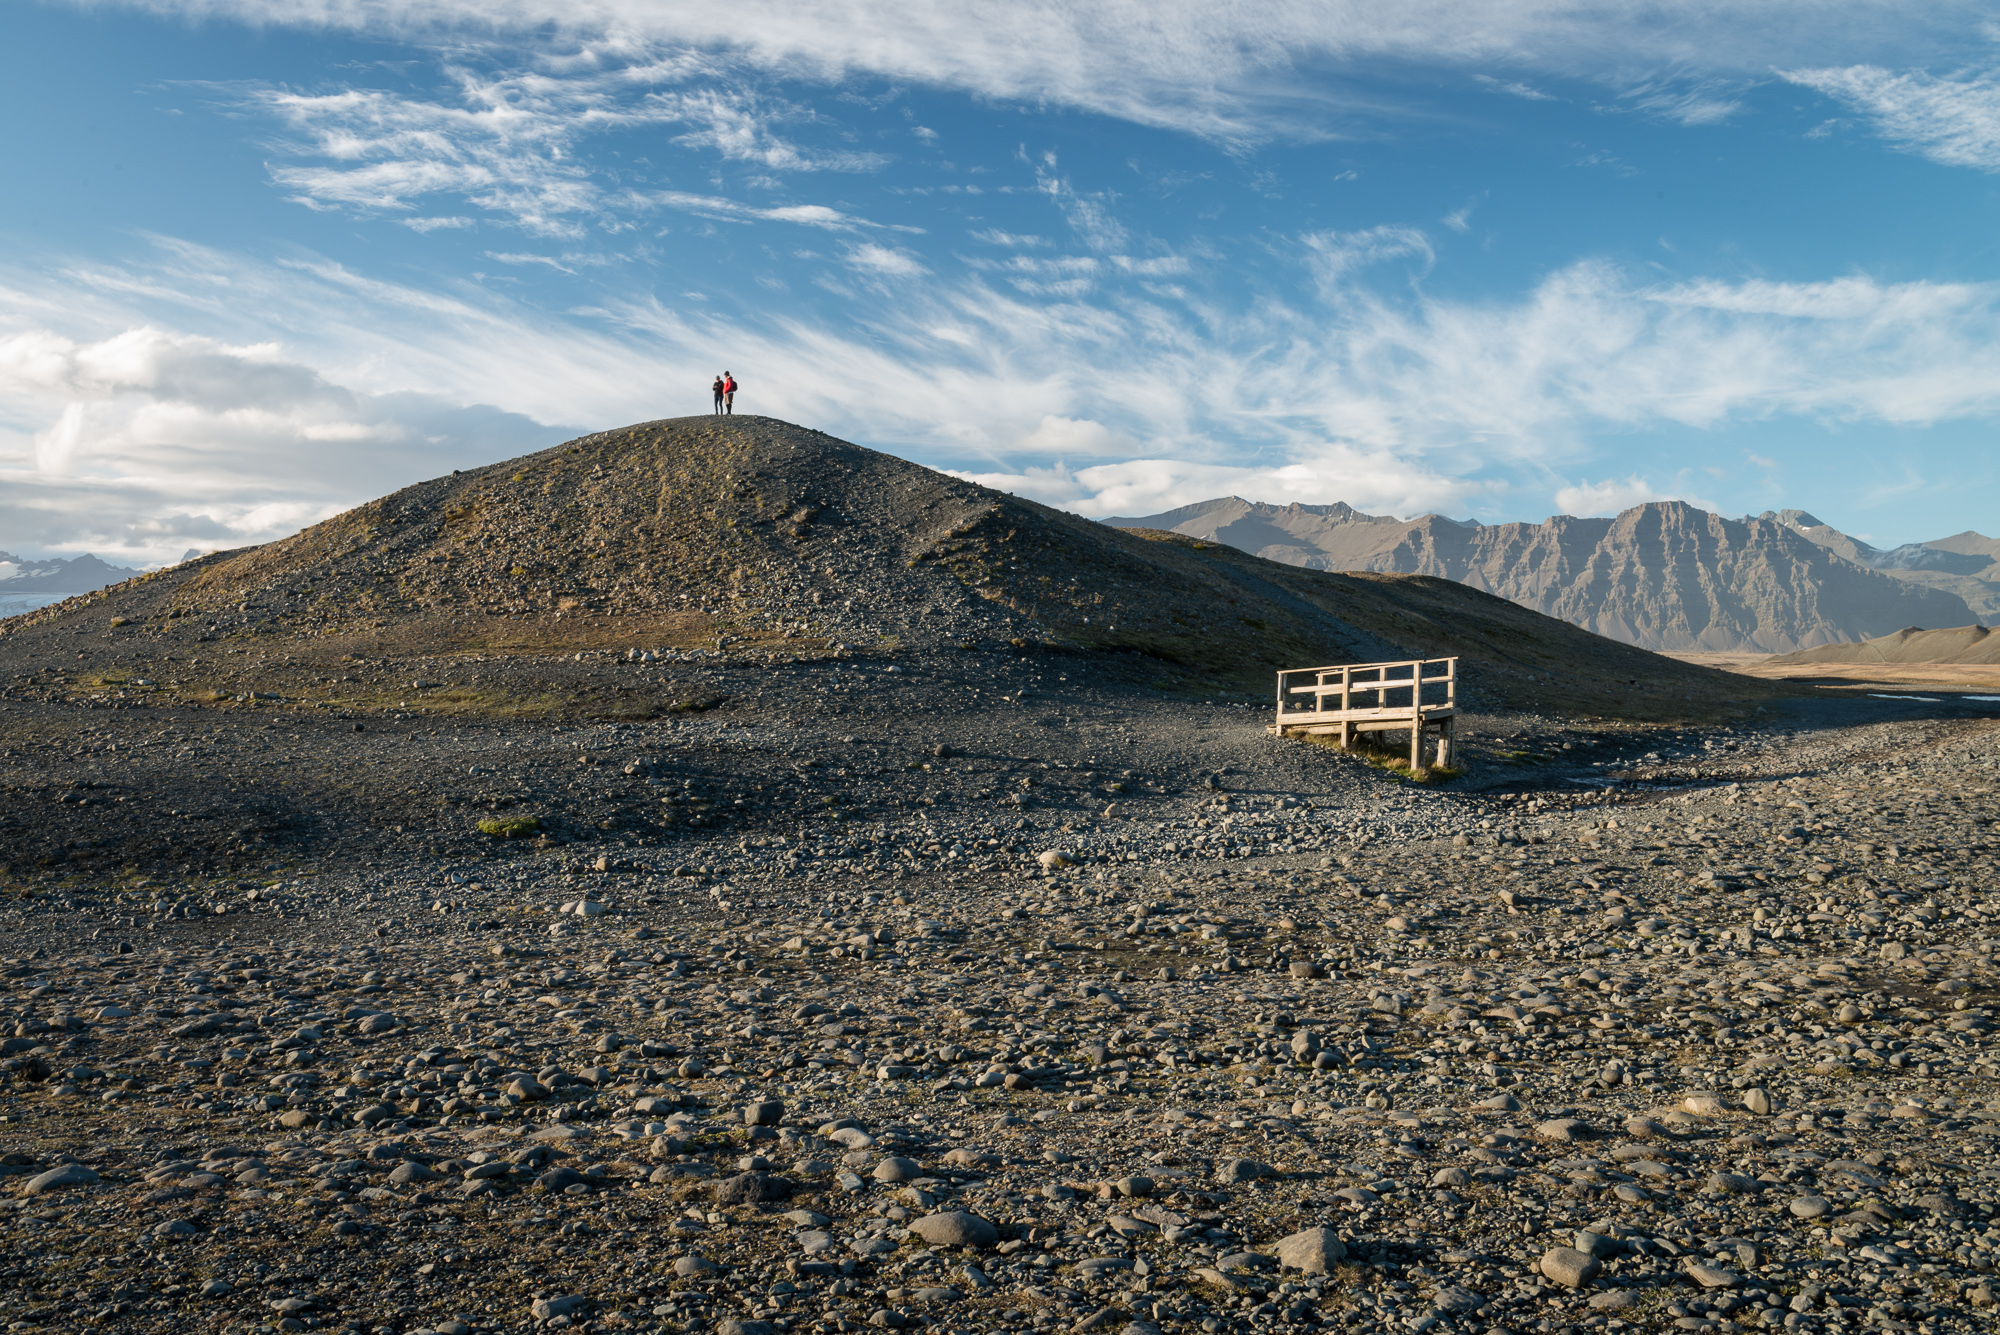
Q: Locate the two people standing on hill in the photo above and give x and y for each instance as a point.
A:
(725, 393)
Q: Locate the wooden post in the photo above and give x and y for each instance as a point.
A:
(1416, 715)
(1346, 698)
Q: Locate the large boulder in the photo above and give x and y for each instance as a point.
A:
(1569, 1267)
(69, 1175)
(955, 1228)
(1234, 1172)
(752, 1188)
(898, 1169)
(1314, 1250)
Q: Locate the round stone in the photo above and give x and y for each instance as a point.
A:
(955, 1228)
(896, 1169)
(1569, 1267)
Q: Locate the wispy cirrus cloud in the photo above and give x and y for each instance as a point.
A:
(192, 382)
(741, 128)
(886, 261)
(993, 236)
(1088, 213)
(1335, 255)
(1704, 102)
(514, 143)
(1223, 71)
(1513, 88)
(1952, 120)
(804, 215)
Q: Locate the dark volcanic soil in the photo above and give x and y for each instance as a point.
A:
(858, 980)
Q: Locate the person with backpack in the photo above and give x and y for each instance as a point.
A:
(718, 393)
(728, 393)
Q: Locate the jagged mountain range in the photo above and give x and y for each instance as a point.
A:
(55, 574)
(1664, 576)
(1967, 564)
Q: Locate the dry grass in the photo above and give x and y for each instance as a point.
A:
(1391, 760)
(1731, 662)
(1982, 677)
(1774, 667)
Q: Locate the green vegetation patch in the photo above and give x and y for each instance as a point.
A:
(510, 827)
(1394, 762)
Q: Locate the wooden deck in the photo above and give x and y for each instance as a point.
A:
(1418, 696)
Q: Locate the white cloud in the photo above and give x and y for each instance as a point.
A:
(804, 215)
(1074, 436)
(1370, 480)
(885, 260)
(1612, 496)
(1336, 254)
(502, 147)
(739, 128)
(188, 382)
(1217, 70)
(515, 257)
(1607, 161)
(1706, 103)
(1513, 88)
(511, 142)
(1089, 215)
(1955, 121)
(993, 236)
(166, 440)
(1154, 266)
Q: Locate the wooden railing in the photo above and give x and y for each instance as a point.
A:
(1416, 695)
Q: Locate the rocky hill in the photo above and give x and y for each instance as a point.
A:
(759, 538)
(1665, 575)
(1966, 564)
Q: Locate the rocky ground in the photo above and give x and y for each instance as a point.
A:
(710, 878)
(1071, 1010)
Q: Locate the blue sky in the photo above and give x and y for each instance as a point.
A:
(262, 260)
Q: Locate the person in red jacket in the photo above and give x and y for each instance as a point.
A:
(728, 392)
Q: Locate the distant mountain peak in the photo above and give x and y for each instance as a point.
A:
(55, 574)
(1935, 564)
(1775, 583)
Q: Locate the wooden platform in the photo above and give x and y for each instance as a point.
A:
(1418, 696)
